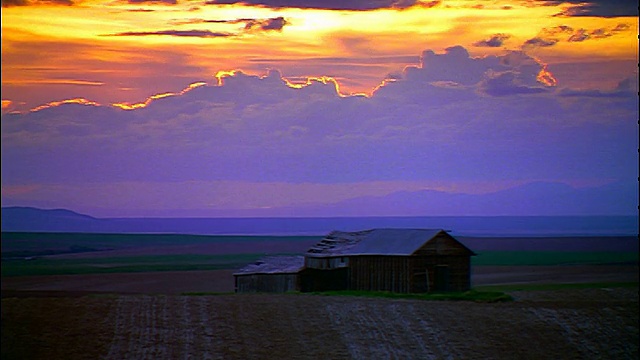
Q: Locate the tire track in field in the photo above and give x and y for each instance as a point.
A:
(186, 328)
(342, 320)
(143, 328)
(120, 335)
(386, 330)
(426, 335)
(205, 344)
(308, 327)
(592, 333)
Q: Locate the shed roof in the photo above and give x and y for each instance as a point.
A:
(373, 242)
(274, 265)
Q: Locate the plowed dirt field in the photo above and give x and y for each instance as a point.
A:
(563, 324)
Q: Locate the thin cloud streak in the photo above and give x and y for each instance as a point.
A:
(267, 24)
(164, 2)
(354, 5)
(12, 3)
(179, 33)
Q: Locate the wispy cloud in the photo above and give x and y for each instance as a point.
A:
(276, 23)
(600, 33)
(268, 24)
(164, 2)
(539, 42)
(496, 40)
(179, 33)
(11, 3)
(564, 33)
(356, 5)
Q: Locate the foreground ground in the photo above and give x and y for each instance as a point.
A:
(144, 315)
(567, 324)
(178, 282)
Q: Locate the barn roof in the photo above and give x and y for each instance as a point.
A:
(374, 242)
(274, 265)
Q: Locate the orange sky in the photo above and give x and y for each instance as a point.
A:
(126, 52)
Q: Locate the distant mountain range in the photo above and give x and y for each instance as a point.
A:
(533, 209)
(533, 199)
(33, 219)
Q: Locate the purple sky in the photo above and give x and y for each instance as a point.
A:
(454, 123)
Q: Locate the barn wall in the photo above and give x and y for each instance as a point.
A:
(324, 279)
(459, 272)
(274, 283)
(402, 274)
(426, 271)
(380, 273)
(413, 274)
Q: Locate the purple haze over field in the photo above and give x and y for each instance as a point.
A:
(452, 136)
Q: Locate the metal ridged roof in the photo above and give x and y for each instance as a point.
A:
(274, 265)
(373, 242)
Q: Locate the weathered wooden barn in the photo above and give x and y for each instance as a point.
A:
(270, 274)
(396, 260)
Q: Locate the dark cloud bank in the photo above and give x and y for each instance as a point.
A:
(597, 8)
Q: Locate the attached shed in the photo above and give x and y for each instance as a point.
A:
(276, 274)
(396, 260)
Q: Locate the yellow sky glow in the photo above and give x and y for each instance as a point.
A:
(95, 43)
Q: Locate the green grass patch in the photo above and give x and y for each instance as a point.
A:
(515, 258)
(471, 295)
(26, 244)
(536, 287)
(49, 266)
(205, 293)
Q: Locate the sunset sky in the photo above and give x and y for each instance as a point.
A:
(202, 108)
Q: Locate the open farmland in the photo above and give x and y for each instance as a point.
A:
(567, 324)
(33, 254)
(105, 303)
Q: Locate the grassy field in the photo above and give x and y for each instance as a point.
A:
(553, 287)
(80, 253)
(124, 264)
(180, 262)
(515, 258)
(472, 295)
(29, 244)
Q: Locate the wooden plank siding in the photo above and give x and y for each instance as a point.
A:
(379, 273)
(425, 273)
(407, 274)
(275, 283)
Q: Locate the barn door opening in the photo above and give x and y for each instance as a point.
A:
(441, 282)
